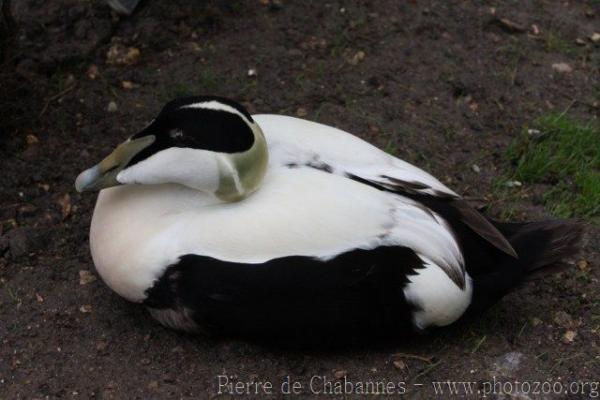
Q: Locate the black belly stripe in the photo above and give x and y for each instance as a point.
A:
(355, 293)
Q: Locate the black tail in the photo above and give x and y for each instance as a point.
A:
(541, 246)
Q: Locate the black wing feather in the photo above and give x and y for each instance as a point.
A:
(452, 208)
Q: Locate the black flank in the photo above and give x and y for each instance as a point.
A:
(355, 294)
(539, 246)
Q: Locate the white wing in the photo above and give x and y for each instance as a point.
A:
(294, 142)
(297, 141)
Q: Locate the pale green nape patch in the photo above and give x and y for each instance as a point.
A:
(240, 174)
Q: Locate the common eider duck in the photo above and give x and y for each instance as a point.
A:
(228, 223)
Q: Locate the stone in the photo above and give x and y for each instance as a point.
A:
(562, 68)
(340, 373)
(112, 107)
(563, 319)
(86, 277)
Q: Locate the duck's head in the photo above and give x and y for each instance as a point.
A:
(206, 143)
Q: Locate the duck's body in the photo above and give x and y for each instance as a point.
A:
(338, 235)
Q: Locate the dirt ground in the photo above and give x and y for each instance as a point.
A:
(443, 84)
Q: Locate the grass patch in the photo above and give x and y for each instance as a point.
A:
(564, 153)
(555, 43)
(513, 53)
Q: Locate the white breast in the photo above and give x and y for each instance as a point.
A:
(137, 231)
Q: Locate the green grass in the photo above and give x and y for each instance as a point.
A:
(513, 53)
(565, 155)
(555, 43)
(390, 147)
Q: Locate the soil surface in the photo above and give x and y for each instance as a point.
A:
(443, 84)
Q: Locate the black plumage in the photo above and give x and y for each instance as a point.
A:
(358, 293)
(354, 294)
(177, 126)
(498, 256)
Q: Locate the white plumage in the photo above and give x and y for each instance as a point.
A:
(194, 222)
(297, 211)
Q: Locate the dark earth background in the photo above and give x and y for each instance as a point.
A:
(443, 84)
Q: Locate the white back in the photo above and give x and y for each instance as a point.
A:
(300, 141)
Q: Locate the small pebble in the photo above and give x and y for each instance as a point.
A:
(582, 265)
(64, 201)
(86, 308)
(569, 336)
(121, 55)
(563, 319)
(399, 364)
(112, 107)
(562, 67)
(92, 72)
(510, 26)
(357, 57)
(535, 133)
(31, 139)
(86, 277)
(301, 112)
(340, 373)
